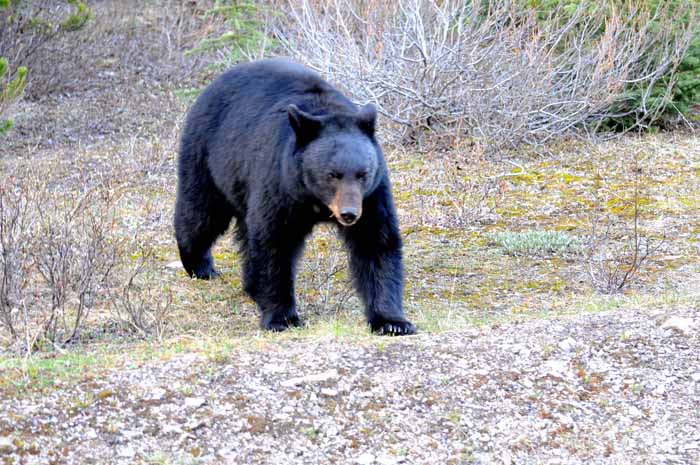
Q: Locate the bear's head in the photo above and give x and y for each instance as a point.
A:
(340, 159)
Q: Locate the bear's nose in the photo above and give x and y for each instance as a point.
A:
(349, 215)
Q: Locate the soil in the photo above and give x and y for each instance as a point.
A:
(608, 388)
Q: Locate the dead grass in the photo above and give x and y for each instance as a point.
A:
(114, 78)
(454, 277)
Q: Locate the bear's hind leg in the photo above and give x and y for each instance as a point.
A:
(201, 216)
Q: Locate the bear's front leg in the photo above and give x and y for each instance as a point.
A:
(374, 246)
(268, 277)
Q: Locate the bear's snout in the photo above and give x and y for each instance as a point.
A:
(346, 204)
(349, 215)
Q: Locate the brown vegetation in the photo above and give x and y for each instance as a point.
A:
(88, 188)
(493, 73)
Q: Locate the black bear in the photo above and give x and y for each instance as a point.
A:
(278, 148)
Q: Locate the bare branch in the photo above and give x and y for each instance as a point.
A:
(497, 73)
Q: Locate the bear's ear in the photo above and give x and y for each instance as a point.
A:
(367, 119)
(306, 126)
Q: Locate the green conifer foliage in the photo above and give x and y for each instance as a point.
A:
(25, 27)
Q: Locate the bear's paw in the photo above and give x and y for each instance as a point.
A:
(393, 327)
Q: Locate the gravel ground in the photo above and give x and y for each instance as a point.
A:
(610, 388)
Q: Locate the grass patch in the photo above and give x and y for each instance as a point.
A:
(535, 243)
(40, 373)
(43, 372)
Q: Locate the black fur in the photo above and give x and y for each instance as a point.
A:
(275, 146)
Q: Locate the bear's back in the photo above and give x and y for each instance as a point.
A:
(269, 86)
(239, 126)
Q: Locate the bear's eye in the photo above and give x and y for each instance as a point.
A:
(334, 175)
(361, 175)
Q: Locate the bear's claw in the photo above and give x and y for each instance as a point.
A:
(394, 328)
(206, 274)
(278, 324)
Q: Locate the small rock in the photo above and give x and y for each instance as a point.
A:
(225, 453)
(172, 428)
(156, 394)
(195, 424)
(387, 460)
(506, 458)
(327, 392)
(568, 344)
(695, 377)
(192, 358)
(194, 402)
(504, 424)
(566, 420)
(238, 425)
(6, 445)
(222, 410)
(131, 434)
(174, 265)
(634, 412)
(523, 351)
(483, 458)
(273, 367)
(281, 417)
(309, 379)
(556, 367)
(598, 365)
(365, 459)
(126, 452)
(330, 430)
(678, 323)
(659, 390)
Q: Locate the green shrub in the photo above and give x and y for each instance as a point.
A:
(243, 37)
(28, 26)
(77, 18)
(679, 89)
(535, 243)
(244, 32)
(674, 93)
(10, 90)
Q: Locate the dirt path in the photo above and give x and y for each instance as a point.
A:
(621, 387)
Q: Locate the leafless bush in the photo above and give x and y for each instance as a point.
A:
(29, 28)
(495, 73)
(464, 199)
(16, 231)
(142, 40)
(137, 303)
(323, 279)
(56, 256)
(612, 266)
(74, 257)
